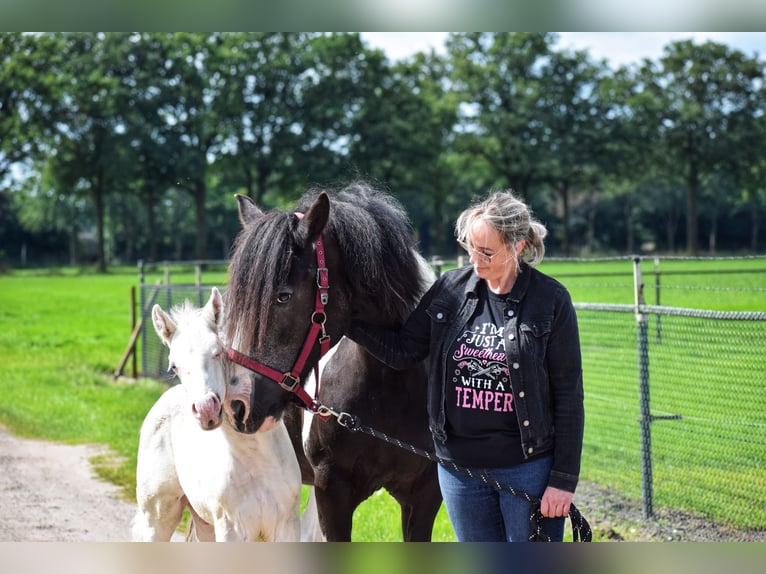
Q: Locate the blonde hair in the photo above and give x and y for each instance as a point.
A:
(510, 216)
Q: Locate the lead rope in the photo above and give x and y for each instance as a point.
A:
(581, 531)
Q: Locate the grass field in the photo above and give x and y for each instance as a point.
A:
(62, 333)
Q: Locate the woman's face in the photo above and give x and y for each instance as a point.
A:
(492, 259)
(488, 253)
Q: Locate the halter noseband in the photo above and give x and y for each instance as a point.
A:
(290, 381)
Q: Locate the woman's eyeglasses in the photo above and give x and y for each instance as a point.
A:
(485, 257)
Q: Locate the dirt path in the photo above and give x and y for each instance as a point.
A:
(48, 492)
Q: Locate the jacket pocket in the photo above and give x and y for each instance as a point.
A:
(535, 335)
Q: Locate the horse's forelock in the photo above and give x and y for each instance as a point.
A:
(259, 264)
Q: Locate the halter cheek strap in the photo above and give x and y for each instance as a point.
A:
(290, 381)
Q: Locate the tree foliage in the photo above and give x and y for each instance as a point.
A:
(139, 140)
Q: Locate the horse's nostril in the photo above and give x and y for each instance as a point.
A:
(238, 408)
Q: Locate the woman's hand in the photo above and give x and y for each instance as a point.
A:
(555, 502)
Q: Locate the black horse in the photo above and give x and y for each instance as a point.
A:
(295, 281)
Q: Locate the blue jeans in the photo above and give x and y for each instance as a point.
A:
(481, 513)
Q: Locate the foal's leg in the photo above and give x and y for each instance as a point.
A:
(199, 530)
(288, 523)
(157, 518)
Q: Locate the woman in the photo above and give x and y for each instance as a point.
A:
(505, 393)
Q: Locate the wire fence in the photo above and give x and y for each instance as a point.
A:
(678, 420)
(675, 396)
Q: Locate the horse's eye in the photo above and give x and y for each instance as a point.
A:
(172, 370)
(284, 297)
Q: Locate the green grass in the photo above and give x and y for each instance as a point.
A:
(63, 332)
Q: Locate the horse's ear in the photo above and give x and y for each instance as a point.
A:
(248, 211)
(163, 324)
(214, 306)
(317, 216)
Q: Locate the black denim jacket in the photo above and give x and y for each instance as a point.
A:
(543, 352)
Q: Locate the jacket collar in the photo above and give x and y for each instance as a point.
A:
(519, 287)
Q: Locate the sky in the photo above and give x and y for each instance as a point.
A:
(618, 48)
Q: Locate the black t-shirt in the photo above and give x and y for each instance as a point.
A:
(482, 429)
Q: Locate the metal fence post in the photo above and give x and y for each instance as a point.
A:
(645, 418)
(657, 296)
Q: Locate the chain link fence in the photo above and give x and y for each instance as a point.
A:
(678, 420)
(154, 355)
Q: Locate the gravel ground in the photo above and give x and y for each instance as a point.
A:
(615, 518)
(49, 492)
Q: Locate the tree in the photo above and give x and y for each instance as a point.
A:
(264, 75)
(28, 86)
(401, 134)
(575, 120)
(85, 149)
(700, 87)
(498, 79)
(191, 105)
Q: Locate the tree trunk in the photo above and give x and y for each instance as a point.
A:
(565, 243)
(670, 234)
(73, 242)
(692, 219)
(151, 226)
(629, 241)
(98, 202)
(200, 243)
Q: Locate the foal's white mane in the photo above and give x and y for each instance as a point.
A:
(186, 315)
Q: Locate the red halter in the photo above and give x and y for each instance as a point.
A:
(291, 381)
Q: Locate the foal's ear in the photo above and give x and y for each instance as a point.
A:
(248, 211)
(316, 218)
(214, 306)
(163, 324)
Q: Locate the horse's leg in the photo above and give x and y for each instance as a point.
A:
(287, 528)
(199, 530)
(157, 518)
(336, 511)
(420, 503)
(311, 531)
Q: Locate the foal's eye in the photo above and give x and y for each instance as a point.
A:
(284, 297)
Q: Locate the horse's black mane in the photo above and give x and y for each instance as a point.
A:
(377, 249)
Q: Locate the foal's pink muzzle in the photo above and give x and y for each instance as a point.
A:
(207, 411)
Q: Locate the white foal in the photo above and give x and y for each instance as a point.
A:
(238, 487)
